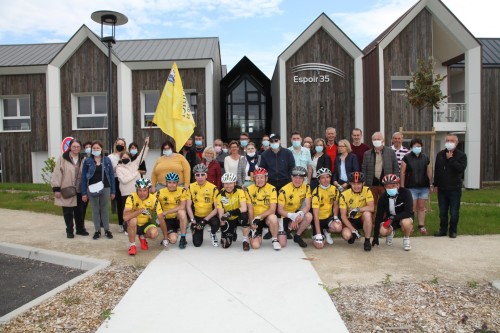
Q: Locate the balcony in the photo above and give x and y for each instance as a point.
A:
(450, 117)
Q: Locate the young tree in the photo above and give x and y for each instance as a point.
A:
(424, 89)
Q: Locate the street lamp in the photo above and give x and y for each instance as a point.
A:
(112, 19)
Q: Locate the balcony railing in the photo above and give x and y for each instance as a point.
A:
(451, 113)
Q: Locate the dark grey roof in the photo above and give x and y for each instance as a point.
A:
(28, 55)
(491, 51)
(167, 49)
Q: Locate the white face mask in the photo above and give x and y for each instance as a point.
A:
(377, 143)
(275, 145)
(449, 145)
(250, 154)
(167, 152)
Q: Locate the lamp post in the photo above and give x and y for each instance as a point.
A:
(112, 19)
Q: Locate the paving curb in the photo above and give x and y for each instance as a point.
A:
(90, 265)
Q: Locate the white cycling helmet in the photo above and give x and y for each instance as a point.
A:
(228, 177)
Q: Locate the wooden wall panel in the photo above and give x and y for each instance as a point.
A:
(400, 59)
(371, 93)
(16, 147)
(155, 80)
(490, 124)
(313, 107)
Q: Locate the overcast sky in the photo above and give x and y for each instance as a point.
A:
(258, 29)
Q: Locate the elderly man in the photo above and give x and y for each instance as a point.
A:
(397, 146)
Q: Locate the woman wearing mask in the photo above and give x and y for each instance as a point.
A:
(128, 172)
(253, 160)
(416, 175)
(320, 160)
(235, 163)
(170, 161)
(85, 152)
(220, 155)
(66, 184)
(133, 148)
(214, 172)
(118, 148)
(265, 144)
(98, 185)
(345, 163)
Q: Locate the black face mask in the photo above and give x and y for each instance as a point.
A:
(125, 161)
(120, 148)
(186, 148)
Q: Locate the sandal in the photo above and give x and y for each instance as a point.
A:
(422, 230)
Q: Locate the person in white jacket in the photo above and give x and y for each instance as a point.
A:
(127, 172)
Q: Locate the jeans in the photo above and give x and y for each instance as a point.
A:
(100, 212)
(449, 200)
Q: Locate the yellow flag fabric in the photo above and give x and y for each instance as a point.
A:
(173, 114)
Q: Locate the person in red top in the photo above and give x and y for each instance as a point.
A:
(357, 146)
(214, 173)
(331, 145)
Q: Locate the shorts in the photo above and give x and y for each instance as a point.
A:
(143, 229)
(260, 226)
(172, 225)
(323, 224)
(357, 223)
(420, 193)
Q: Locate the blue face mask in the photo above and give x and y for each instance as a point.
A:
(265, 143)
(133, 151)
(167, 152)
(198, 142)
(88, 150)
(392, 191)
(275, 145)
(416, 150)
(225, 150)
(243, 143)
(319, 149)
(296, 143)
(96, 153)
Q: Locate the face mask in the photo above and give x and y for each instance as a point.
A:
(120, 148)
(217, 149)
(392, 191)
(167, 152)
(133, 151)
(416, 150)
(449, 145)
(198, 143)
(377, 143)
(319, 149)
(296, 143)
(88, 150)
(225, 150)
(208, 159)
(243, 143)
(96, 153)
(265, 143)
(125, 161)
(250, 154)
(275, 145)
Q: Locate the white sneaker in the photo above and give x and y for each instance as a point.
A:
(121, 229)
(215, 242)
(165, 243)
(389, 238)
(328, 237)
(276, 244)
(406, 244)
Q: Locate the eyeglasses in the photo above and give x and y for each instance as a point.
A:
(342, 146)
(274, 140)
(200, 174)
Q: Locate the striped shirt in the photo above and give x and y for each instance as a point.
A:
(400, 153)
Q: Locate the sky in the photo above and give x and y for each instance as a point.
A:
(258, 29)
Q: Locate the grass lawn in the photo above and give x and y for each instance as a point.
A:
(479, 213)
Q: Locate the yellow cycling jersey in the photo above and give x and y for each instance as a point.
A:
(230, 201)
(203, 198)
(292, 198)
(350, 200)
(135, 203)
(324, 200)
(170, 199)
(261, 198)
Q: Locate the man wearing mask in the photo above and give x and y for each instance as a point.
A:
(220, 155)
(302, 155)
(331, 146)
(278, 162)
(448, 177)
(357, 146)
(244, 140)
(189, 153)
(377, 163)
(265, 144)
(199, 145)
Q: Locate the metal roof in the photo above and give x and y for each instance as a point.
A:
(28, 55)
(491, 51)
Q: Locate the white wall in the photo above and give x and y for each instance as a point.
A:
(37, 164)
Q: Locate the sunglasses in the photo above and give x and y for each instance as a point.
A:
(274, 140)
(200, 174)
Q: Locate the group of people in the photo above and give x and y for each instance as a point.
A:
(334, 187)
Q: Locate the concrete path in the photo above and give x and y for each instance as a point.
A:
(211, 289)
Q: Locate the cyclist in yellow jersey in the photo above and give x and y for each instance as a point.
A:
(200, 206)
(356, 210)
(262, 199)
(325, 207)
(294, 203)
(138, 209)
(171, 210)
(232, 209)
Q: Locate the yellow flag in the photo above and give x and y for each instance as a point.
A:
(173, 114)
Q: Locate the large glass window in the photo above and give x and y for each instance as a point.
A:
(15, 113)
(149, 102)
(246, 110)
(90, 111)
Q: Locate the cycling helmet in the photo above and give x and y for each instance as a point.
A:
(260, 171)
(200, 168)
(356, 177)
(323, 171)
(228, 177)
(299, 171)
(143, 183)
(172, 177)
(390, 179)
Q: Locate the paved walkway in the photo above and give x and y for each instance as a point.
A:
(226, 290)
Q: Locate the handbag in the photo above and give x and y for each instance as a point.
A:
(96, 189)
(68, 192)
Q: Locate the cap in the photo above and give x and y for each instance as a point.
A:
(274, 136)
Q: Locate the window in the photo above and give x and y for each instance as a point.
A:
(90, 111)
(399, 83)
(149, 102)
(15, 113)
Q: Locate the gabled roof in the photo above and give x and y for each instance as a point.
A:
(491, 51)
(245, 66)
(28, 55)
